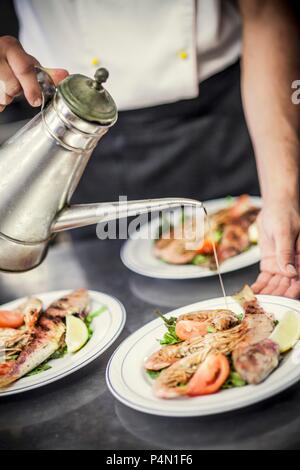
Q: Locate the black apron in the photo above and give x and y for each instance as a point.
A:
(198, 148)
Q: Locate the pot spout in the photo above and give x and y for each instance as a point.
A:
(89, 214)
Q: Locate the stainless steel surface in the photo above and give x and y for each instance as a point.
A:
(40, 168)
(89, 214)
(46, 83)
(79, 412)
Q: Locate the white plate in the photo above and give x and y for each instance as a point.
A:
(107, 328)
(137, 254)
(129, 383)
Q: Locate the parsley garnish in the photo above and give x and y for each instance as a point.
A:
(170, 337)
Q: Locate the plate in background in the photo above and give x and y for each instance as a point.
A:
(137, 254)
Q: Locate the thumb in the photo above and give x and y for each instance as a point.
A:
(285, 254)
(57, 75)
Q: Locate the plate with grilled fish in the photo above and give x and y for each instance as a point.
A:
(210, 357)
(158, 250)
(49, 336)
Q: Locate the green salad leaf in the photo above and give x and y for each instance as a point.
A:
(41, 368)
(153, 374)
(218, 234)
(234, 380)
(12, 358)
(211, 329)
(91, 316)
(170, 337)
(229, 199)
(200, 259)
(61, 352)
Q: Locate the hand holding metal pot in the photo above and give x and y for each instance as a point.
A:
(17, 74)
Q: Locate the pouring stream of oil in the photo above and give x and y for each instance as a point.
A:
(211, 236)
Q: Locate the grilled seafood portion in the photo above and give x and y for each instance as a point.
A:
(13, 340)
(200, 365)
(260, 324)
(256, 356)
(171, 382)
(46, 334)
(219, 319)
(47, 339)
(255, 362)
(249, 302)
(229, 228)
(234, 241)
(76, 302)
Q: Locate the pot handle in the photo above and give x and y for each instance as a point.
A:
(46, 83)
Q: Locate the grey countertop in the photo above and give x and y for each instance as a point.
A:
(79, 412)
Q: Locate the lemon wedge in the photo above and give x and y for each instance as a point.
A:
(287, 332)
(76, 333)
(253, 233)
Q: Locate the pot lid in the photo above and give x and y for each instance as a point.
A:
(88, 99)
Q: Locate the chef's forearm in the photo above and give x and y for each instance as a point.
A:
(271, 62)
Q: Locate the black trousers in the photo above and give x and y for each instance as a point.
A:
(197, 148)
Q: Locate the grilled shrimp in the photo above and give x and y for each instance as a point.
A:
(12, 340)
(171, 382)
(219, 319)
(167, 355)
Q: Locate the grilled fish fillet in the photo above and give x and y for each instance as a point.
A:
(76, 302)
(47, 336)
(46, 341)
(256, 356)
(255, 362)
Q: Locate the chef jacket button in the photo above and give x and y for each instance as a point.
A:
(95, 61)
(183, 55)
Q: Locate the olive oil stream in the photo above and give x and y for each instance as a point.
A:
(211, 236)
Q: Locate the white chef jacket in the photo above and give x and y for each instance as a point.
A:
(157, 51)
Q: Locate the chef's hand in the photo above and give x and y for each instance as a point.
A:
(279, 232)
(17, 74)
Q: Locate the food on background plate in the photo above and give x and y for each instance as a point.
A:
(233, 230)
(229, 351)
(39, 336)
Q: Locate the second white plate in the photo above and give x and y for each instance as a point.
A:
(137, 254)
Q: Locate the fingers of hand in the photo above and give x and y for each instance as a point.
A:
(261, 282)
(277, 285)
(285, 252)
(9, 85)
(272, 285)
(57, 75)
(22, 66)
(294, 289)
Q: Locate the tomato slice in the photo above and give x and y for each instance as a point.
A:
(4, 368)
(206, 248)
(11, 319)
(210, 376)
(188, 329)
